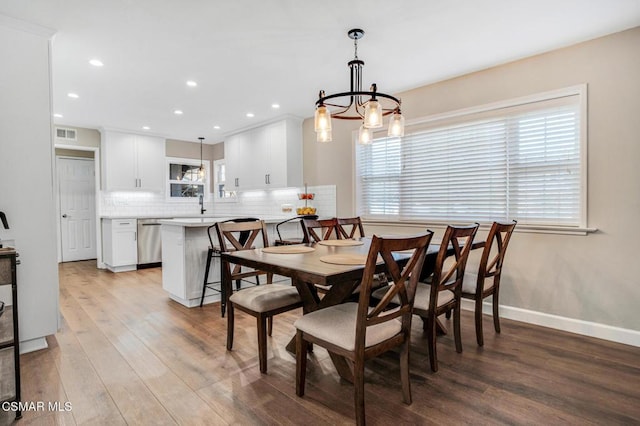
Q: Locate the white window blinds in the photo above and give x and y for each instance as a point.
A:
(519, 162)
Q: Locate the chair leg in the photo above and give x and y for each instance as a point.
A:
(206, 276)
(496, 306)
(230, 319)
(223, 289)
(448, 314)
(262, 342)
(478, 318)
(301, 363)
(430, 328)
(358, 390)
(269, 325)
(404, 372)
(456, 328)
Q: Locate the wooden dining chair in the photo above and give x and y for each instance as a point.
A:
(442, 291)
(261, 302)
(486, 281)
(350, 227)
(214, 252)
(357, 332)
(321, 229)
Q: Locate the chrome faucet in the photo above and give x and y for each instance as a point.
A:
(201, 202)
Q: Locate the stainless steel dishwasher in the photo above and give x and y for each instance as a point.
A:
(149, 243)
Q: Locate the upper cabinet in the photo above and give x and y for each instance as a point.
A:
(265, 157)
(132, 162)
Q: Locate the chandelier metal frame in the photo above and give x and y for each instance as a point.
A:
(354, 110)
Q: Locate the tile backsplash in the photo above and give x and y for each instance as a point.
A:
(248, 203)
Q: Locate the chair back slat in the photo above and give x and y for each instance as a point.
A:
(317, 230)
(241, 234)
(347, 227)
(456, 245)
(495, 249)
(404, 280)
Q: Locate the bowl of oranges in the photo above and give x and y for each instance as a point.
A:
(302, 211)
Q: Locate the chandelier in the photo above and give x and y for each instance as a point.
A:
(352, 105)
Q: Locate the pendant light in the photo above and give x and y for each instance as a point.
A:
(201, 169)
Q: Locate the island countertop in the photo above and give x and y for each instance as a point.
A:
(208, 221)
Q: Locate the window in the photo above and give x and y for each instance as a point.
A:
(219, 182)
(521, 160)
(185, 180)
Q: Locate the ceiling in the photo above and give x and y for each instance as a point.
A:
(246, 55)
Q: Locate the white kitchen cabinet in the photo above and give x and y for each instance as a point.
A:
(120, 244)
(265, 157)
(132, 162)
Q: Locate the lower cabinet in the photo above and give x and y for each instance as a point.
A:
(120, 244)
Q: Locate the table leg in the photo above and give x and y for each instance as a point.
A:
(343, 366)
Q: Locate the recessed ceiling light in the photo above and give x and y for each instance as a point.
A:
(177, 112)
(146, 128)
(250, 115)
(275, 106)
(73, 95)
(57, 115)
(191, 83)
(216, 127)
(96, 62)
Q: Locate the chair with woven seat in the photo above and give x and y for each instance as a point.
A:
(486, 282)
(261, 302)
(321, 229)
(350, 227)
(442, 291)
(214, 252)
(358, 332)
(293, 240)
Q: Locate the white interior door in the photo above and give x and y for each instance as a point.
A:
(77, 208)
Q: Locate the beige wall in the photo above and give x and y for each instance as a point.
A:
(596, 277)
(85, 137)
(74, 153)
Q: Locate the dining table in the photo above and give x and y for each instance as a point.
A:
(319, 265)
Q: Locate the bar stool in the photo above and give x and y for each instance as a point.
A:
(290, 241)
(214, 251)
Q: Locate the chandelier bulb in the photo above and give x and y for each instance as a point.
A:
(396, 125)
(365, 135)
(323, 136)
(373, 114)
(322, 119)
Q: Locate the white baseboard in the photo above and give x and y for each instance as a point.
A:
(586, 328)
(33, 345)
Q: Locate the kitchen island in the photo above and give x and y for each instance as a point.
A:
(184, 256)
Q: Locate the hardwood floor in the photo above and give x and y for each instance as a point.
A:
(126, 354)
